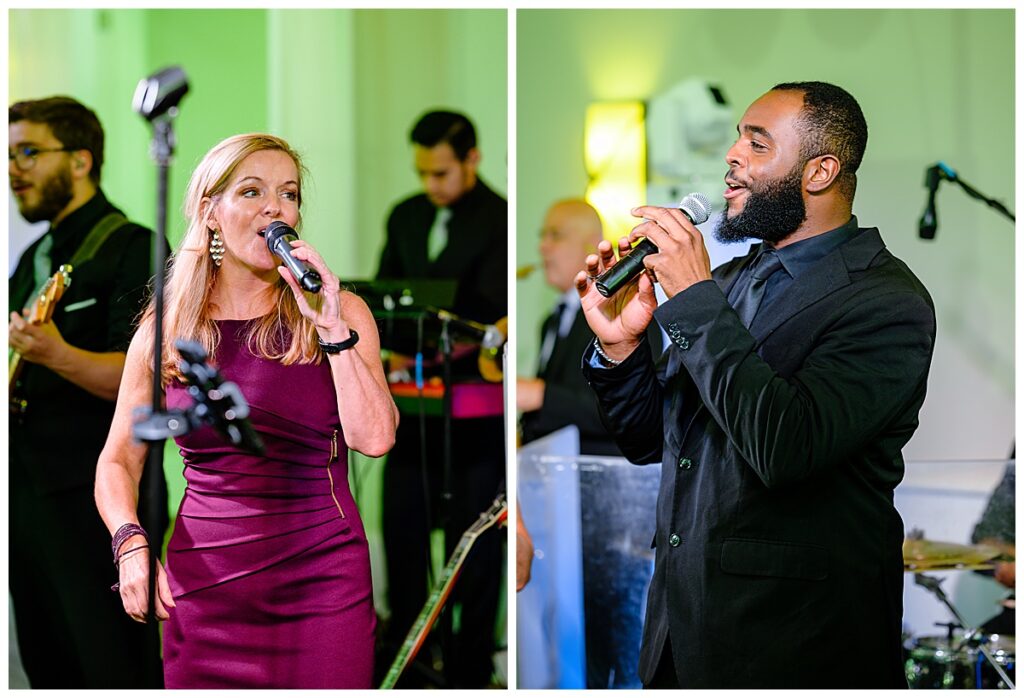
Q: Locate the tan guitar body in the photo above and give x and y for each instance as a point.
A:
(39, 313)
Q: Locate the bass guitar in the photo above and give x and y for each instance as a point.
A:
(496, 514)
(39, 313)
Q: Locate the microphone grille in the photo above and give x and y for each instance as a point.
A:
(697, 207)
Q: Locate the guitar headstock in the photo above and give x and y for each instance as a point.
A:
(45, 303)
(497, 513)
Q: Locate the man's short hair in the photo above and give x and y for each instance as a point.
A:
(832, 123)
(72, 123)
(437, 127)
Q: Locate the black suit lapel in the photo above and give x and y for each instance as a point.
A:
(725, 275)
(828, 275)
(544, 367)
(559, 362)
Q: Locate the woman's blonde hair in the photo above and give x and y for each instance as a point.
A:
(191, 273)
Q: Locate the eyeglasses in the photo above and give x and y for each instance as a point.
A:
(25, 156)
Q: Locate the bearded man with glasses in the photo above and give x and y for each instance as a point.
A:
(71, 630)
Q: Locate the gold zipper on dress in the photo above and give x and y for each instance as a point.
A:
(334, 454)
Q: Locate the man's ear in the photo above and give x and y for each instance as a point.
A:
(473, 157)
(821, 172)
(81, 163)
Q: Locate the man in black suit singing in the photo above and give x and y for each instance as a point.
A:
(457, 229)
(793, 379)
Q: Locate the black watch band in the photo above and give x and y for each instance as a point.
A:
(338, 347)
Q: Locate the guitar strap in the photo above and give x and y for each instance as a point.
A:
(94, 240)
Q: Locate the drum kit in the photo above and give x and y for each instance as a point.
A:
(964, 657)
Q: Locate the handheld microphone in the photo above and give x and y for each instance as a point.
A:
(279, 236)
(695, 206)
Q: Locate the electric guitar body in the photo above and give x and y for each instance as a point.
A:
(39, 313)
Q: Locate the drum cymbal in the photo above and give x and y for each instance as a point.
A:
(925, 555)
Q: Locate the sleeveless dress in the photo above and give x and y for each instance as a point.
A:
(268, 563)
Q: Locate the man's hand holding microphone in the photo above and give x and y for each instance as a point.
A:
(618, 301)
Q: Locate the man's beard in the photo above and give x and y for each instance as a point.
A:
(771, 213)
(55, 194)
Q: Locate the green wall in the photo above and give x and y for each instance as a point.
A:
(934, 85)
(343, 86)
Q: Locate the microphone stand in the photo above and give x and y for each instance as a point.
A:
(945, 172)
(447, 520)
(162, 148)
(156, 100)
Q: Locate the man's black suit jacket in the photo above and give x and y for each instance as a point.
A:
(777, 539)
(567, 399)
(476, 254)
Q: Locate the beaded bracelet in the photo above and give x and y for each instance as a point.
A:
(600, 352)
(123, 533)
(117, 563)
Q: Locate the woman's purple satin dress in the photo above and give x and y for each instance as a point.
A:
(268, 563)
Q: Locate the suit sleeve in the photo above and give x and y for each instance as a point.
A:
(631, 403)
(491, 278)
(865, 373)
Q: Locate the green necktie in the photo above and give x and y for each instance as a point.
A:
(438, 238)
(41, 264)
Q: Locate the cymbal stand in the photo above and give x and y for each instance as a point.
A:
(934, 585)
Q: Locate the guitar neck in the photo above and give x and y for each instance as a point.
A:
(431, 610)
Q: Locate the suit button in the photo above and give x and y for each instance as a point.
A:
(683, 343)
(674, 540)
(685, 463)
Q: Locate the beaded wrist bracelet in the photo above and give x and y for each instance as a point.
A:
(123, 533)
(117, 563)
(600, 352)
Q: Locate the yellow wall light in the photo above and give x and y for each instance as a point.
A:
(615, 158)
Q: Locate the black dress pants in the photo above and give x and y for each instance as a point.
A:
(478, 475)
(72, 631)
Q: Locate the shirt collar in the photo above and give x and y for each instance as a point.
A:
(799, 256)
(571, 300)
